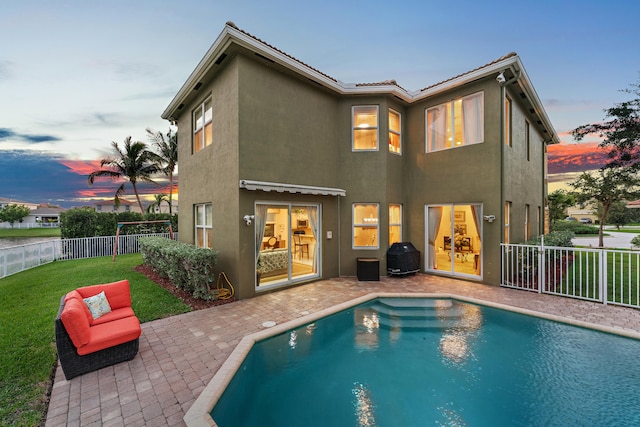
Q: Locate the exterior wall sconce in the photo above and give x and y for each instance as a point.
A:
(248, 219)
(490, 218)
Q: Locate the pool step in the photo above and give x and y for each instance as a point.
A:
(418, 313)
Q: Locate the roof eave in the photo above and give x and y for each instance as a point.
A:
(230, 35)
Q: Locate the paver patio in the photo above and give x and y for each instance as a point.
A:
(179, 355)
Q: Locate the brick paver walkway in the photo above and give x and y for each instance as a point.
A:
(179, 355)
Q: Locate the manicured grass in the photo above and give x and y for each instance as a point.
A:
(29, 232)
(623, 276)
(29, 303)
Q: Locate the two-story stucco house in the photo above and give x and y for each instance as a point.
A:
(284, 164)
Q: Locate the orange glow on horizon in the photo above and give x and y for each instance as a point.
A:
(565, 158)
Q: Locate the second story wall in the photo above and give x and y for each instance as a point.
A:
(287, 127)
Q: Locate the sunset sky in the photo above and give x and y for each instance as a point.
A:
(76, 75)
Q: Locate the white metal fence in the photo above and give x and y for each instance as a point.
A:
(603, 275)
(27, 225)
(15, 259)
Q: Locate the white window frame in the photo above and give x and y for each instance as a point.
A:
(355, 128)
(508, 121)
(207, 118)
(395, 224)
(397, 132)
(507, 222)
(370, 223)
(200, 223)
(448, 129)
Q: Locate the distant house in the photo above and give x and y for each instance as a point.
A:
(45, 214)
(40, 213)
(295, 175)
(164, 207)
(6, 201)
(110, 206)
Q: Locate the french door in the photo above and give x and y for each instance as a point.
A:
(454, 239)
(287, 243)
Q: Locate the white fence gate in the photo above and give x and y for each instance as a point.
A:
(15, 259)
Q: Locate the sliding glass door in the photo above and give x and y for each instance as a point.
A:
(454, 239)
(287, 247)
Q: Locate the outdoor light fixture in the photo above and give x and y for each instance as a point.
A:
(501, 79)
(490, 218)
(248, 219)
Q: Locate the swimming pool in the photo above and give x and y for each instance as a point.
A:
(404, 362)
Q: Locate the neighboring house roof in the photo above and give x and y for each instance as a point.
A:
(10, 201)
(110, 202)
(634, 205)
(509, 66)
(47, 211)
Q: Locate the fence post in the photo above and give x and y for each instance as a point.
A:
(541, 263)
(603, 276)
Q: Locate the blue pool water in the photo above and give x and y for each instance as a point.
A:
(408, 362)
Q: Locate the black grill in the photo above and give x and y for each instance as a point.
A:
(403, 258)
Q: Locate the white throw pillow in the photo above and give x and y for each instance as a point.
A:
(98, 305)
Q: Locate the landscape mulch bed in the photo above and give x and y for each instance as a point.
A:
(186, 297)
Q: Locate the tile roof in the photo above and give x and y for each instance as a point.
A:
(502, 58)
(391, 82)
(232, 25)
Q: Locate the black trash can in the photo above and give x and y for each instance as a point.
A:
(368, 269)
(402, 259)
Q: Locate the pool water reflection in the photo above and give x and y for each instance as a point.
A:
(406, 361)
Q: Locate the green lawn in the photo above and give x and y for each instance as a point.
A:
(29, 232)
(581, 275)
(28, 305)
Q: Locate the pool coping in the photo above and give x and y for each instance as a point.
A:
(198, 414)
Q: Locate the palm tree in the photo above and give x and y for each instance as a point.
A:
(159, 199)
(135, 163)
(167, 149)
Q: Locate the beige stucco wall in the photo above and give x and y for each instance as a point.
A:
(286, 135)
(270, 125)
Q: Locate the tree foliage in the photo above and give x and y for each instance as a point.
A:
(13, 213)
(133, 163)
(606, 186)
(621, 133)
(558, 202)
(86, 222)
(166, 146)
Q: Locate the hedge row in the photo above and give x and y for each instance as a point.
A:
(86, 222)
(575, 227)
(188, 267)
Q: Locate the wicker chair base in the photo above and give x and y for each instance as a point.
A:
(74, 364)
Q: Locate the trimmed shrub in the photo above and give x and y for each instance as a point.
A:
(555, 238)
(635, 242)
(187, 267)
(86, 222)
(575, 227)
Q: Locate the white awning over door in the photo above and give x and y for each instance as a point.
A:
(279, 187)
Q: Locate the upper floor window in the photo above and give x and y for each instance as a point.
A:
(507, 121)
(202, 126)
(365, 127)
(456, 123)
(366, 225)
(395, 133)
(204, 225)
(395, 224)
(527, 139)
